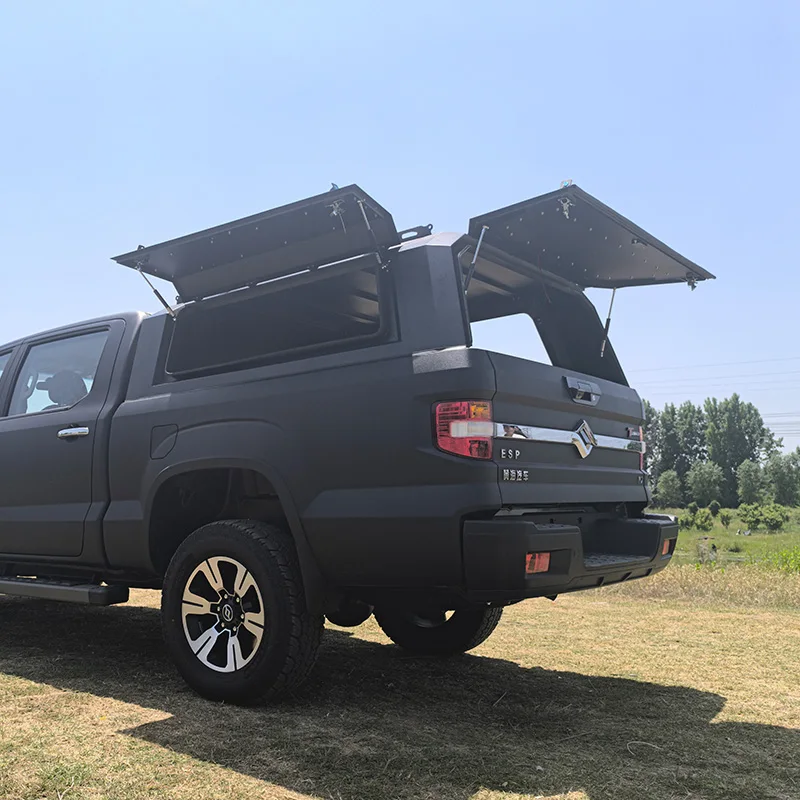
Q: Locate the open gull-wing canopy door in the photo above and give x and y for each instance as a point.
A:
(571, 234)
(330, 227)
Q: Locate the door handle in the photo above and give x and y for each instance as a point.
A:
(73, 433)
(584, 392)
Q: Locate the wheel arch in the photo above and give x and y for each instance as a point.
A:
(230, 465)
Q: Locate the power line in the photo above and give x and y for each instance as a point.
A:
(741, 376)
(771, 386)
(720, 364)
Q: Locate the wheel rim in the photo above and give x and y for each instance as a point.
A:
(223, 614)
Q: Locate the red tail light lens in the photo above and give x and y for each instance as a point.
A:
(537, 562)
(465, 428)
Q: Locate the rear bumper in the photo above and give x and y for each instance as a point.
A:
(495, 553)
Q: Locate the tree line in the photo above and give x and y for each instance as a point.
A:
(720, 451)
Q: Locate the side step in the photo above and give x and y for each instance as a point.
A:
(91, 594)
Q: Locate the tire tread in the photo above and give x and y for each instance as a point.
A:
(305, 628)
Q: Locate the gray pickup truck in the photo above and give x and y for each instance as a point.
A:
(308, 431)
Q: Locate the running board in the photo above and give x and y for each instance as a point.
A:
(91, 594)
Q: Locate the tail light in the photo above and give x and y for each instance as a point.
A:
(641, 455)
(637, 434)
(465, 428)
(537, 562)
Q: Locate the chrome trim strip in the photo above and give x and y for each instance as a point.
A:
(582, 438)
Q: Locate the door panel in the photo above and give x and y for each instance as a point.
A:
(45, 469)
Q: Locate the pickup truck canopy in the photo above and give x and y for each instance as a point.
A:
(330, 227)
(566, 233)
(573, 235)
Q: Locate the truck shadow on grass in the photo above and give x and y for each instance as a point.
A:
(376, 724)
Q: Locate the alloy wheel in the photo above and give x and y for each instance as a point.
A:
(223, 614)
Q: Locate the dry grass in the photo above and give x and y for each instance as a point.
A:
(751, 586)
(599, 695)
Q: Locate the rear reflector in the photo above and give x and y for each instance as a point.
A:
(668, 547)
(537, 562)
(465, 428)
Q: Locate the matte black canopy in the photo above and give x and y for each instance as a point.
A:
(567, 233)
(330, 227)
(571, 234)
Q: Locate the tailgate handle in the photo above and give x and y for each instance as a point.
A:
(584, 392)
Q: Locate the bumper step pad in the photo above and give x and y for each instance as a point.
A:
(592, 560)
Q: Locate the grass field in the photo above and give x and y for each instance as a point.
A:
(626, 692)
(733, 547)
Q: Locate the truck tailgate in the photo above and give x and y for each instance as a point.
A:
(564, 437)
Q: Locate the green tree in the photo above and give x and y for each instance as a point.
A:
(714, 507)
(725, 517)
(782, 475)
(704, 482)
(735, 432)
(669, 492)
(750, 482)
(669, 447)
(652, 435)
(690, 430)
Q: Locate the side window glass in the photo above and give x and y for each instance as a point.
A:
(57, 374)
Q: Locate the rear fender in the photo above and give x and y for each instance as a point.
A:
(241, 445)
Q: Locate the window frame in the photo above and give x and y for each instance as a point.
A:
(6, 378)
(386, 332)
(5, 370)
(24, 351)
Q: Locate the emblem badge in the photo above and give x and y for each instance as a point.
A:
(584, 439)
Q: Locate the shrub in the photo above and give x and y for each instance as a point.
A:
(769, 515)
(713, 507)
(692, 508)
(703, 520)
(774, 517)
(725, 517)
(750, 514)
(686, 521)
(787, 560)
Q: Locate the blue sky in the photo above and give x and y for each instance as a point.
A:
(129, 122)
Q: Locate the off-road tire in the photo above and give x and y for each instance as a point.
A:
(291, 635)
(464, 630)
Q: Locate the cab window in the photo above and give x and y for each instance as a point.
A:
(57, 374)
